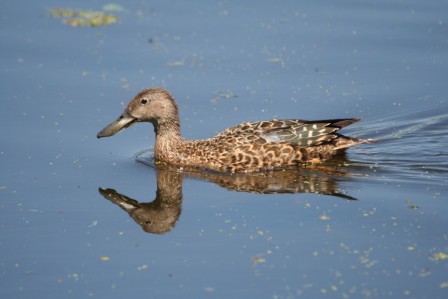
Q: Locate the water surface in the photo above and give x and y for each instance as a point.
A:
(371, 224)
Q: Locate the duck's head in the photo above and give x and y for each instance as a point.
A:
(154, 105)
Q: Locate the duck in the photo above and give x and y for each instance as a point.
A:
(248, 147)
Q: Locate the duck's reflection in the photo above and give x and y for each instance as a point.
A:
(161, 215)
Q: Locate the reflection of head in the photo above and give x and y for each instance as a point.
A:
(160, 215)
(157, 217)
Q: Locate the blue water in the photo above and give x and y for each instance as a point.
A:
(225, 63)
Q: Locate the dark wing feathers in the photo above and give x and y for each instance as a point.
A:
(337, 123)
(302, 133)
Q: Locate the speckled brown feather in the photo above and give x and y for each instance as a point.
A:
(251, 146)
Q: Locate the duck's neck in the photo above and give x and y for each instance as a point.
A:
(168, 139)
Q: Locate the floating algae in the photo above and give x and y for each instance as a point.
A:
(83, 18)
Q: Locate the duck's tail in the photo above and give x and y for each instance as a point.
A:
(343, 142)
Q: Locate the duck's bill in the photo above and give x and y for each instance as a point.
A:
(122, 122)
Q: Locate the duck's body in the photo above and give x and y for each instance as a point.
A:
(251, 146)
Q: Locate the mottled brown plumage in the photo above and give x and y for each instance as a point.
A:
(251, 146)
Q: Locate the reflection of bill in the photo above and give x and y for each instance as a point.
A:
(161, 215)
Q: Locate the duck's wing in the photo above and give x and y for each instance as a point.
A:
(301, 133)
(304, 133)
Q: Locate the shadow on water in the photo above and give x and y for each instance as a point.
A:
(161, 215)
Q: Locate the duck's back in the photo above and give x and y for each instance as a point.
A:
(301, 133)
(275, 143)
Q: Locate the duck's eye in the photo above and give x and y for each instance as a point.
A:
(144, 101)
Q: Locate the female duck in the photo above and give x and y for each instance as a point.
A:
(251, 146)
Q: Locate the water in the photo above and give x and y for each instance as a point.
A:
(371, 224)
